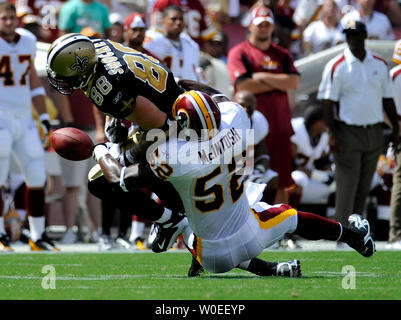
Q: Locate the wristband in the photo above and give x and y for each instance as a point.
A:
(38, 91)
(122, 183)
(100, 151)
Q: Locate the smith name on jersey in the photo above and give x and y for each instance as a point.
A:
(124, 73)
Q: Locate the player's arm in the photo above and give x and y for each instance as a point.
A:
(391, 112)
(127, 178)
(37, 92)
(147, 115)
(278, 81)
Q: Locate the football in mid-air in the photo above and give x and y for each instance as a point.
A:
(72, 144)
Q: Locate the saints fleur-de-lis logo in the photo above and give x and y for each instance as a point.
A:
(80, 64)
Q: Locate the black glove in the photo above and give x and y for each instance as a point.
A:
(116, 131)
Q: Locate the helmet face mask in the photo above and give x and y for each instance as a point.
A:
(196, 112)
(71, 62)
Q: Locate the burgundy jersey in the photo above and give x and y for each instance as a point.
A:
(244, 59)
(198, 23)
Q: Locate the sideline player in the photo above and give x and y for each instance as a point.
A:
(230, 230)
(19, 87)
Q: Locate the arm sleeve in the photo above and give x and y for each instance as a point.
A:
(239, 67)
(329, 87)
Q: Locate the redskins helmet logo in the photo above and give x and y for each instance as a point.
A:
(80, 64)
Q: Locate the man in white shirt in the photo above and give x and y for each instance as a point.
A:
(355, 88)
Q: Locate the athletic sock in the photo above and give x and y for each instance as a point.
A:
(2, 229)
(36, 227)
(35, 202)
(259, 267)
(314, 227)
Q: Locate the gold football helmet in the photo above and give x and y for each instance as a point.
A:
(71, 62)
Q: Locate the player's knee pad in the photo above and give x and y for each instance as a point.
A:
(35, 173)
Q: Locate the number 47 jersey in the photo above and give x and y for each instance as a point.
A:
(124, 73)
(209, 175)
(15, 64)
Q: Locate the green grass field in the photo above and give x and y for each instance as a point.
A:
(143, 276)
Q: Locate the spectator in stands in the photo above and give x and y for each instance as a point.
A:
(392, 9)
(325, 32)
(267, 70)
(395, 218)
(116, 31)
(377, 24)
(78, 14)
(174, 47)
(197, 21)
(47, 13)
(214, 70)
(217, 46)
(354, 105)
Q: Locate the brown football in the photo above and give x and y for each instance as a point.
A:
(72, 144)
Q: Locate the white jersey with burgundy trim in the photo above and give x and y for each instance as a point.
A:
(16, 61)
(181, 57)
(208, 181)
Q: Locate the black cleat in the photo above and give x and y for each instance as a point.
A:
(365, 245)
(195, 269)
(5, 243)
(289, 269)
(43, 244)
(163, 236)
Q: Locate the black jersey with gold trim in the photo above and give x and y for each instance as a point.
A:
(124, 73)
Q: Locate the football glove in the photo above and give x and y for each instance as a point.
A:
(116, 131)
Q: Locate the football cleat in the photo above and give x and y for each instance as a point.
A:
(5, 243)
(163, 236)
(365, 244)
(140, 244)
(121, 242)
(43, 244)
(289, 269)
(105, 243)
(195, 269)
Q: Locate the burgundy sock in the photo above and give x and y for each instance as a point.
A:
(314, 227)
(35, 202)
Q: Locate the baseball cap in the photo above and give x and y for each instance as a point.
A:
(261, 14)
(397, 52)
(115, 17)
(354, 25)
(135, 20)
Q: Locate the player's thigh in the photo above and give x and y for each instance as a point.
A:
(273, 222)
(29, 152)
(6, 141)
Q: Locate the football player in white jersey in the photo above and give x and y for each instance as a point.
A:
(227, 229)
(173, 46)
(20, 87)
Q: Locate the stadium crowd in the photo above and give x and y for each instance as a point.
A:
(218, 43)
